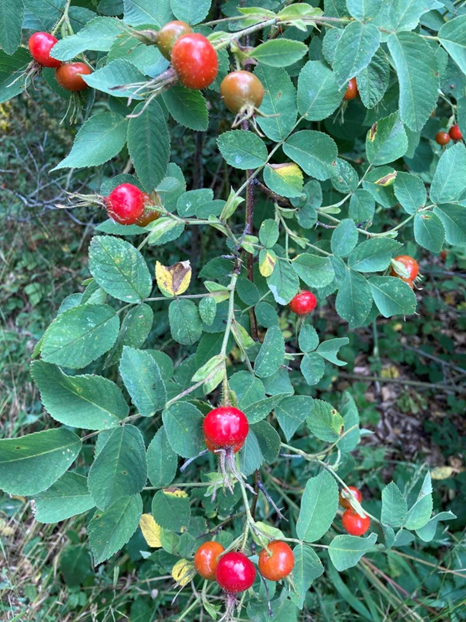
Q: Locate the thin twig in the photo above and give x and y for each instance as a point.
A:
(414, 383)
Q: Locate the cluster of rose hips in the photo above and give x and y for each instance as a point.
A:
(191, 54)
(193, 59)
(196, 64)
(352, 522)
(235, 572)
(225, 431)
(411, 266)
(68, 75)
(443, 138)
(225, 428)
(128, 205)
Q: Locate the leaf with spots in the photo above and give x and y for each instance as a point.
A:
(279, 102)
(173, 280)
(88, 402)
(272, 353)
(143, 379)
(354, 299)
(325, 421)
(392, 296)
(429, 231)
(80, 335)
(68, 497)
(150, 530)
(185, 322)
(120, 468)
(183, 425)
(32, 463)
(242, 149)
(119, 269)
(110, 530)
(171, 509)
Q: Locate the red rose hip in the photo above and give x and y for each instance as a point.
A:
(345, 502)
(235, 573)
(455, 132)
(354, 524)
(225, 428)
(40, 44)
(213, 448)
(442, 138)
(206, 559)
(169, 34)
(277, 564)
(240, 90)
(69, 76)
(411, 266)
(303, 303)
(126, 204)
(351, 90)
(149, 215)
(195, 61)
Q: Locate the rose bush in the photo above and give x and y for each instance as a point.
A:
(334, 169)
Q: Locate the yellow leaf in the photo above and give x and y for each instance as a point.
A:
(5, 530)
(290, 173)
(150, 530)
(390, 372)
(450, 298)
(337, 423)
(173, 280)
(386, 180)
(441, 472)
(175, 492)
(267, 261)
(183, 571)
